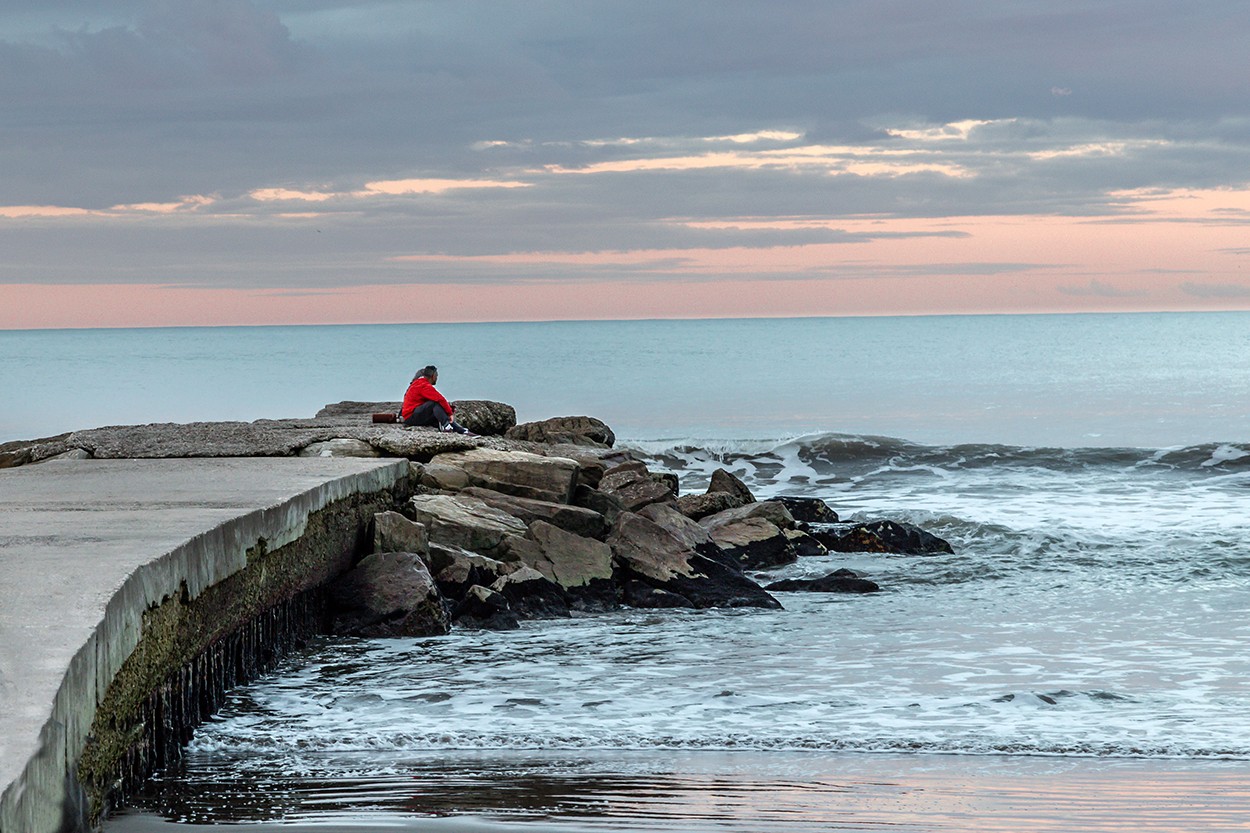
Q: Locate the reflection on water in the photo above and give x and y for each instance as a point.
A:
(704, 791)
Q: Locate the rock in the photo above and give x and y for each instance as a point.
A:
(609, 506)
(481, 416)
(574, 430)
(590, 466)
(668, 518)
(392, 532)
(388, 594)
(364, 409)
(574, 519)
(638, 594)
(725, 481)
(804, 545)
(632, 485)
(439, 476)
(339, 447)
(465, 522)
(755, 543)
(839, 581)
(668, 479)
(889, 537)
(72, 454)
(420, 443)
(809, 509)
(531, 595)
(769, 510)
(697, 507)
(644, 551)
(484, 609)
(581, 567)
(456, 570)
(517, 473)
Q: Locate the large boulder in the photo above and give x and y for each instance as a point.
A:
(803, 544)
(891, 537)
(634, 487)
(574, 519)
(392, 532)
(839, 581)
(439, 476)
(388, 594)
(698, 507)
(808, 510)
(724, 480)
(581, 567)
(645, 552)
(531, 595)
(770, 510)
(517, 473)
(482, 416)
(456, 570)
(465, 522)
(668, 518)
(640, 594)
(574, 430)
(353, 408)
(484, 609)
(755, 543)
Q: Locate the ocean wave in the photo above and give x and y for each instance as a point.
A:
(847, 453)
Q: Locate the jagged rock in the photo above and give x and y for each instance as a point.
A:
(839, 581)
(697, 507)
(465, 522)
(484, 609)
(582, 567)
(388, 594)
(439, 476)
(339, 447)
(755, 543)
(609, 506)
(517, 473)
(644, 551)
(890, 537)
(456, 570)
(639, 594)
(634, 487)
(668, 479)
(769, 510)
(591, 466)
(392, 532)
(574, 519)
(574, 430)
(725, 481)
(531, 595)
(804, 545)
(482, 416)
(808, 509)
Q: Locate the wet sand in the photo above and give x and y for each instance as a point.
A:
(714, 791)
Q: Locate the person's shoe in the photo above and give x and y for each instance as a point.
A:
(460, 429)
(447, 428)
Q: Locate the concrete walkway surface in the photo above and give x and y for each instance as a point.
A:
(86, 546)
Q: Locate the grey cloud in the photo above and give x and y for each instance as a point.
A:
(1215, 290)
(1100, 289)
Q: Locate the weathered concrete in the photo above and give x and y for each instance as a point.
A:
(87, 547)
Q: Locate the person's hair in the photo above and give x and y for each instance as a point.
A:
(428, 372)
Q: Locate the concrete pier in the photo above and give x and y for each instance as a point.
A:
(90, 549)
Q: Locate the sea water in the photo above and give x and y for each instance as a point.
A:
(1078, 664)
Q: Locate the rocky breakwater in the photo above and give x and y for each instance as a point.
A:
(551, 529)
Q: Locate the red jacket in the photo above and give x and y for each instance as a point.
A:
(420, 392)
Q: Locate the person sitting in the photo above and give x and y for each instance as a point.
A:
(424, 405)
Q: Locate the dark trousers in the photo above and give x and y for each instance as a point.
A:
(428, 413)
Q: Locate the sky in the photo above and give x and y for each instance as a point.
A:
(206, 162)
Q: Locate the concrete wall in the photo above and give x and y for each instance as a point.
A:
(94, 554)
